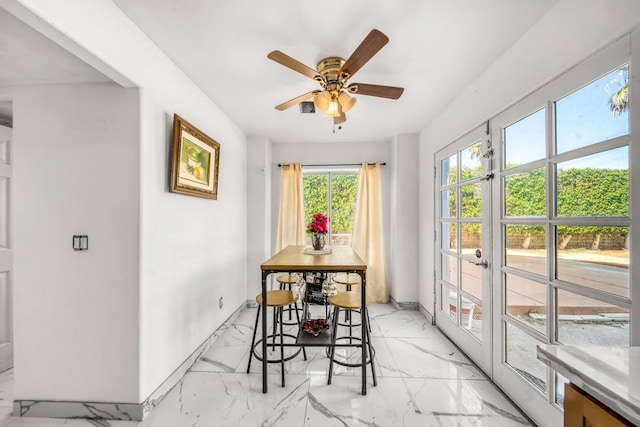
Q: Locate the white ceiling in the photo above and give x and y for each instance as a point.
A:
(436, 49)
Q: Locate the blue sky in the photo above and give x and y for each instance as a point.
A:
(582, 118)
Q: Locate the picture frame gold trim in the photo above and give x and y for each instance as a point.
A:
(195, 159)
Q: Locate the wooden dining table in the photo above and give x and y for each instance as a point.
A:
(341, 259)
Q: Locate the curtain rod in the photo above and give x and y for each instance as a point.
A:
(341, 164)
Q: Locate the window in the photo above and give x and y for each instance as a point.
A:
(334, 194)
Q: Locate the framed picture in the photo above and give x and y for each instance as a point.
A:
(194, 161)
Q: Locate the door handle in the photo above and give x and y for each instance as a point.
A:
(482, 262)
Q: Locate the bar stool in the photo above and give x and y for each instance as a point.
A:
(278, 300)
(348, 301)
(288, 280)
(349, 280)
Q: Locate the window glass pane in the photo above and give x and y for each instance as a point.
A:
(471, 317)
(560, 382)
(594, 256)
(596, 185)
(471, 200)
(450, 303)
(527, 302)
(448, 170)
(526, 248)
(472, 279)
(471, 237)
(449, 240)
(315, 195)
(344, 189)
(586, 321)
(595, 113)
(524, 141)
(526, 193)
(521, 355)
(448, 198)
(471, 161)
(450, 269)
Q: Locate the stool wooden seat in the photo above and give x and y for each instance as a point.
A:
(277, 299)
(347, 279)
(286, 281)
(348, 301)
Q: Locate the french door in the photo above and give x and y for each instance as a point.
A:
(534, 229)
(463, 236)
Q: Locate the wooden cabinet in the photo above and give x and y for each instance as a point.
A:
(581, 410)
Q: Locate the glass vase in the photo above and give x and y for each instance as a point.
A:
(317, 241)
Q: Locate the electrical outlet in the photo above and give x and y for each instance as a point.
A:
(221, 302)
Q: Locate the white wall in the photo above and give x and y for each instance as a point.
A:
(192, 250)
(329, 153)
(404, 219)
(566, 35)
(259, 247)
(76, 313)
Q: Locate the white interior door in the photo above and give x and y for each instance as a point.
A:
(6, 253)
(463, 264)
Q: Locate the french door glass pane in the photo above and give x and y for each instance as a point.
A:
(471, 200)
(472, 279)
(448, 239)
(471, 161)
(316, 199)
(526, 194)
(524, 141)
(471, 237)
(526, 248)
(450, 269)
(449, 302)
(595, 185)
(526, 301)
(521, 356)
(594, 256)
(448, 199)
(585, 116)
(471, 317)
(586, 321)
(560, 382)
(448, 170)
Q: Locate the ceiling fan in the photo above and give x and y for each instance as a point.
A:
(332, 74)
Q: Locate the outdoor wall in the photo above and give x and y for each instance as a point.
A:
(566, 35)
(192, 250)
(75, 157)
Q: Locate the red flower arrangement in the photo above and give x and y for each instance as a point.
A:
(318, 224)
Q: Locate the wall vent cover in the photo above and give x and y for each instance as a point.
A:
(307, 107)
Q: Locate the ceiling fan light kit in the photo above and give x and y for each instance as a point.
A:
(332, 74)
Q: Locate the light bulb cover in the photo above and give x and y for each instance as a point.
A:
(347, 102)
(321, 100)
(334, 108)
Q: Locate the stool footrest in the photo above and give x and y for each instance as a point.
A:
(278, 360)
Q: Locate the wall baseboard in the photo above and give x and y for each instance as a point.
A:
(411, 305)
(119, 411)
(427, 314)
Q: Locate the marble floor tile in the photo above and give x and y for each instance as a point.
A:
(423, 380)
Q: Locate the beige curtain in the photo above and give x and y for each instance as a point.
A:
(367, 238)
(291, 226)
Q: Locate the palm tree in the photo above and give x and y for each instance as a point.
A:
(619, 101)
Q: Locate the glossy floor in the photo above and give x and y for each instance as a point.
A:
(423, 380)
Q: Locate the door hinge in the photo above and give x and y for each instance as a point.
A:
(435, 172)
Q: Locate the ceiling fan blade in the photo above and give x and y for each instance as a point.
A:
(341, 118)
(296, 100)
(289, 62)
(371, 44)
(376, 90)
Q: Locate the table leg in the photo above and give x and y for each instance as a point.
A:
(264, 331)
(363, 328)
